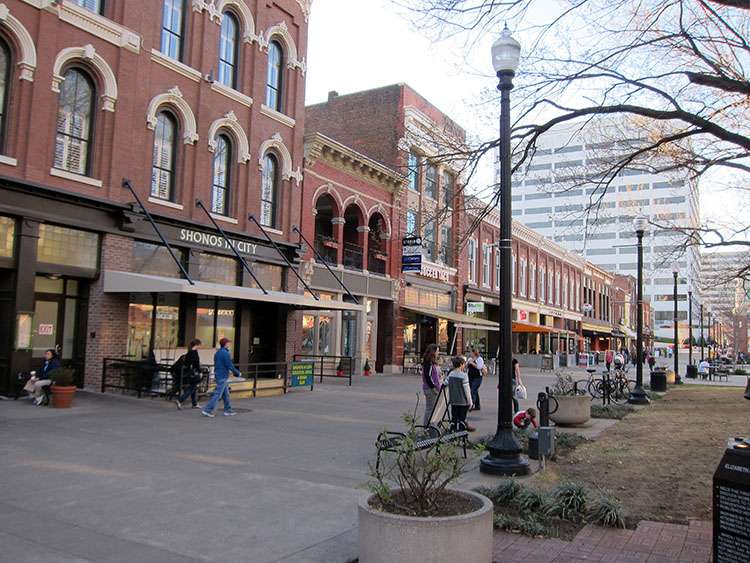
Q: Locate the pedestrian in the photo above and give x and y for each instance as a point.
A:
(608, 358)
(222, 366)
(42, 377)
(191, 370)
(516, 381)
(524, 419)
(704, 369)
(651, 362)
(430, 380)
(459, 393)
(475, 368)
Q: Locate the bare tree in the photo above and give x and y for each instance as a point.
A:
(676, 71)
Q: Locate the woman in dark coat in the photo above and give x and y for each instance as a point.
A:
(191, 365)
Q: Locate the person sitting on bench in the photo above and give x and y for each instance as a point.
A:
(42, 377)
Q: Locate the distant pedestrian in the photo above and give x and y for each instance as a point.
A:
(430, 380)
(222, 366)
(475, 368)
(460, 394)
(191, 369)
(524, 419)
(651, 362)
(609, 356)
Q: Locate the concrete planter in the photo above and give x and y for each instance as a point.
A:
(572, 410)
(385, 537)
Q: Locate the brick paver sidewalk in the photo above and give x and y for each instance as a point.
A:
(651, 542)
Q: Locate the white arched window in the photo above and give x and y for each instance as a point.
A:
(74, 122)
(163, 160)
(220, 194)
(269, 190)
(228, 50)
(274, 76)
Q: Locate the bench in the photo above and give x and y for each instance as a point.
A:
(718, 371)
(438, 431)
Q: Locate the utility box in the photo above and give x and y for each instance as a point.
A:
(546, 440)
(731, 503)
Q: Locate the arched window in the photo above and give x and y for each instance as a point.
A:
(274, 83)
(173, 28)
(163, 164)
(269, 190)
(220, 184)
(5, 65)
(74, 122)
(228, 51)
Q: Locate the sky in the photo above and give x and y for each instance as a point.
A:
(346, 56)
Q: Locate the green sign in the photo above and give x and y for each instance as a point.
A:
(302, 374)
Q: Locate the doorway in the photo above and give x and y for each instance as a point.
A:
(55, 318)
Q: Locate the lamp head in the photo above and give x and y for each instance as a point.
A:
(506, 52)
(639, 224)
(675, 268)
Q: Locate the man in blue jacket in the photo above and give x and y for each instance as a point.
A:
(222, 366)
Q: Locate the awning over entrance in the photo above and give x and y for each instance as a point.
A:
(461, 321)
(126, 282)
(624, 331)
(597, 329)
(519, 326)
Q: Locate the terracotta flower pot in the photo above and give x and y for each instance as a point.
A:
(384, 537)
(62, 396)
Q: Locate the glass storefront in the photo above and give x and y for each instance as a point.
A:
(7, 237)
(217, 269)
(317, 335)
(214, 320)
(146, 329)
(155, 260)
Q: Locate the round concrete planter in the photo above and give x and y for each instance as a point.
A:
(572, 410)
(385, 537)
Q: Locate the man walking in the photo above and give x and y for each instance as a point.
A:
(222, 366)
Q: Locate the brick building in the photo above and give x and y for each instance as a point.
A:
(188, 100)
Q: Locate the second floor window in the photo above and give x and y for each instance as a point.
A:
(557, 288)
(413, 172)
(486, 253)
(430, 181)
(532, 281)
(428, 240)
(446, 245)
(74, 127)
(550, 284)
(274, 76)
(522, 276)
(221, 177)
(497, 269)
(163, 159)
(93, 5)
(228, 51)
(269, 191)
(565, 292)
(542, 287)
(4, 75)
(172, 28)
(513, 274)
(472, 250)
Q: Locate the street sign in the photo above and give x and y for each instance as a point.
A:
(302, 374)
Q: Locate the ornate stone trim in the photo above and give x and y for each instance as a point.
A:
(27, 58)
(232, 94)
(173, 96)
(277, 116)
(277, 143)
(229, 121)
(88, 54)
(281, 30)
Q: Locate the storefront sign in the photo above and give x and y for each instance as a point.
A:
(411, 254)
(523, 315)
(216, 241)
(474, 307)
(434, 273)
(302, 374)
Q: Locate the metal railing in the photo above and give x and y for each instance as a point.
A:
(353, 256)
(327, 366)
(375, 264)
(329, 253)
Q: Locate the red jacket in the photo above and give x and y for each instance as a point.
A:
(518, 420)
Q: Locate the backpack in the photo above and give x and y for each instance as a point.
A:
(176, 368)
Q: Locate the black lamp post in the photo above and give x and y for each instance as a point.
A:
(505, 450)
(690, 326)
(677, 378)
(639, 397)
(702, 337)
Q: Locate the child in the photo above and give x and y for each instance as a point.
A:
(459, 394)
(524, 418)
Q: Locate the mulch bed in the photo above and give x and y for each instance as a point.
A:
(449, 503)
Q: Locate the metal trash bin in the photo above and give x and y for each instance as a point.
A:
(692, 371)
(659, 380)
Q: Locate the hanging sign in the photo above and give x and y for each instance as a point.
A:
(411, 254)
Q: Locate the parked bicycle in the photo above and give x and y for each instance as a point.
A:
(613, 386)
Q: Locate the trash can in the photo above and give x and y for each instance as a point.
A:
(692, 371)
(659, 380)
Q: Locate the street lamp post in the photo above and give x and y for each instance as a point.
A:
(677, 378)
(639, 397)
(702, 337)
(504, 456)
(690, 326)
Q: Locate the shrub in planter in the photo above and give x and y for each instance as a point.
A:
(366, 367)
(63, 387)
(411, 514)
(573, 405)
(340, 369)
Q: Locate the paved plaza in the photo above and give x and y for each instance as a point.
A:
(122, 479)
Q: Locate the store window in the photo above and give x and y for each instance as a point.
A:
(67, 247)
(430, 181)
(270, 276)
(155, 260)
(217, 269)
(214, 320)
(317, 335)
(153, 322)
(7, 237)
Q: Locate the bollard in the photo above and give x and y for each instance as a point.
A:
(542, 404)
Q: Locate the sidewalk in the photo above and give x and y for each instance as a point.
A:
(123, 479)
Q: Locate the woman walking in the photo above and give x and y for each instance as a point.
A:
(190, 368)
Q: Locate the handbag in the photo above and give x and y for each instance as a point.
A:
(520, 391)
(29, 387)
(194, 378)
